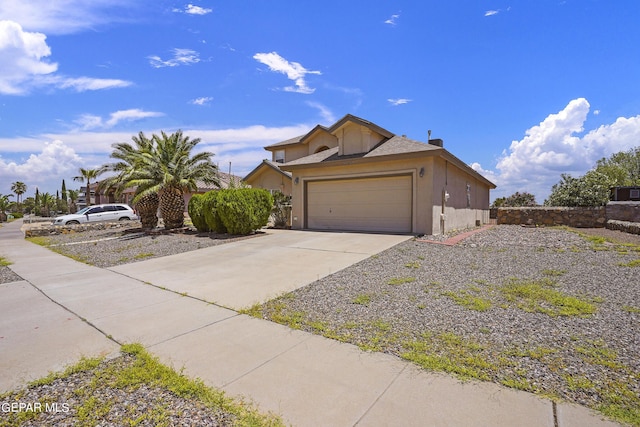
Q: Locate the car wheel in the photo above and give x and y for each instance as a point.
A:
(124, 218)
(72, 222)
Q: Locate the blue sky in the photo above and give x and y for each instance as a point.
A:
(523, 91)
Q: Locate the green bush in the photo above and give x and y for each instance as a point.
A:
(210, 210)
(196, 212)
(244, 210)
(17, 215)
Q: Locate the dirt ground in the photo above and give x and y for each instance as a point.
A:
(618, 236)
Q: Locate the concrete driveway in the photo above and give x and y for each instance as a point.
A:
(239, 274)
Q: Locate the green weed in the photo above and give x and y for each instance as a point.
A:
(541, 297)
(467, 300)
(400, 280)
(362, 299)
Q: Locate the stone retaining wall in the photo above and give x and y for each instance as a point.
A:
(623, 211)
(44, 229)
(626, 226)
(584, 217)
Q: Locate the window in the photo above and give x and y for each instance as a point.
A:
(95, 210)
(634, 194)
(278, 156)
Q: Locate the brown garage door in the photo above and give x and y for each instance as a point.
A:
(366, 204)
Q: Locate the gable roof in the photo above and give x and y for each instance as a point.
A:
(268, 164)
(397, 147)
(362, 122)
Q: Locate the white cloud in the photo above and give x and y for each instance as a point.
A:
(205, 100)
(293, 70)
(54, 161)
(24, 66)
(196, 10)
(325, 113)
(63, 16)
(180, 57)
(58, 160)
(596, 112)
(393, 20)
(556, 146)
(491, 12)
(89, 121)
(81, 84)
(22, 55)
(398, 101)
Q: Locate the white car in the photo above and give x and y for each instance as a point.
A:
(98, 213)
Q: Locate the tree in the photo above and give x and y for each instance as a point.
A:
(130, 162)
(4, 205)
(29, 205)
(517, 199)
(168, 169)
(46, 202)
(88, 175)
(622, 168)
(591, 189)
(19, 188)
(73, 198)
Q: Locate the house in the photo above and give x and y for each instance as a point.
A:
(357, 176)
(100, 195)
(625, 194)
(269, 176)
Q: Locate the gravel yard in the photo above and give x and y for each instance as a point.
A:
(548, 310)
(107, 248)
(540, 309)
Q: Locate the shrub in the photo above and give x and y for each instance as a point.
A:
(244, 210)
(281, 209)
(196, 212)
(210, 210)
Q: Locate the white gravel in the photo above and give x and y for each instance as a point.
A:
(546, 354)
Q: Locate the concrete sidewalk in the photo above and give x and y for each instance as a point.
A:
(64, 309)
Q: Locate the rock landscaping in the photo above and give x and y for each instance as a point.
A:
(553, 311)
(544, 310)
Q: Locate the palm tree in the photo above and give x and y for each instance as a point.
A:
(4, 205)
(46, 201)
(169, 169)
(19, 188)
(87, 175)
(73, 198)
(129, 164)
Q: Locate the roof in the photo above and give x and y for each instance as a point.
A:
(268, 164)
(395, 147)
(337, 125)
(291, 141)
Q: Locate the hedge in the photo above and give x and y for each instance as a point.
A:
(244, 210)
(196, 213)
(211, 214)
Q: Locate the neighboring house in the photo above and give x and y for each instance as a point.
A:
(268, 175)
(357, 176)
(625, 194)
(102, 196)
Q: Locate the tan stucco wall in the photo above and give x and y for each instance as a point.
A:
(356, 139)
(422, 187)
(457, 213)
(427, 190)
(293, 152)
(271, 180)
(321, 140)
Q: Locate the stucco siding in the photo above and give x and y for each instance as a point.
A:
(321, 140)
(271, 179)
(465, 199)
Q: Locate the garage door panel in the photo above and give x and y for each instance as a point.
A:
(367, 204)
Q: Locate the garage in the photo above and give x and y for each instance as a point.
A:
(382, 204)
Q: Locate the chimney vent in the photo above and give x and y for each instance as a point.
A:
(437, 142)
